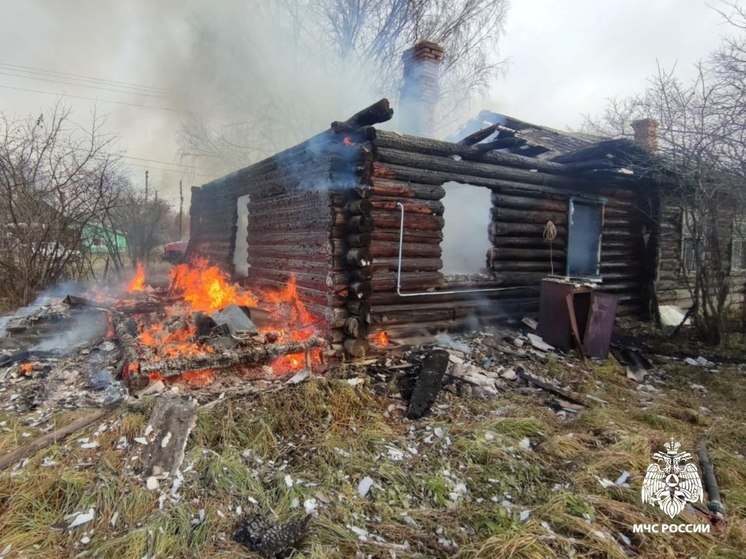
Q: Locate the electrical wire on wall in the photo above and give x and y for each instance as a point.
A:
(550, 233)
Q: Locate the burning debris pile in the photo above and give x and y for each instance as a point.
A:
(197, 326)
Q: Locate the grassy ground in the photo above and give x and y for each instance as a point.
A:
(462, 482)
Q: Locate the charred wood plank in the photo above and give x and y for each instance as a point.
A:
(257, 354)
(429, 383)
(549, 388)
(479, 135)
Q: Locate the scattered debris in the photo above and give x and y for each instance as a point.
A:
(539, 343)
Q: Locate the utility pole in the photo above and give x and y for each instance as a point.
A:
(146, 185)
(181, 209)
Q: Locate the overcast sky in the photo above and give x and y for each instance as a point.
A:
(566, 57)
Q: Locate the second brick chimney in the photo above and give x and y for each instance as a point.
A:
(420, 91)
(646, 133)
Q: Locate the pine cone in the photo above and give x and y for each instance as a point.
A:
(268, 539)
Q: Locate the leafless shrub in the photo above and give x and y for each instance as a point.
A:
(56, 180)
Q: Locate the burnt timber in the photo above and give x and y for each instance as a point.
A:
(326, 212)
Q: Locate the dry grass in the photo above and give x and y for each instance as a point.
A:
(439, 483)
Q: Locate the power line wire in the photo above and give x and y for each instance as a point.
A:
(169, 109)
(156, 96)
(79, 77)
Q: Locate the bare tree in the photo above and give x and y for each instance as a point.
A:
(278, 72)
(56, 178)
(146, 223)
(702, 144)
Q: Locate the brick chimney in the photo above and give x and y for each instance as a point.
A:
(646, 133)
(419, 93)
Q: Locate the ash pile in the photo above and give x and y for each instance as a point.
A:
(88, 348)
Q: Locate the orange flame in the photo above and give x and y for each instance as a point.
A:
(26, 368)
(381, 339)
(137, 283)
(206, 288)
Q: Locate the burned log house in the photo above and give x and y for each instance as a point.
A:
(356, 215)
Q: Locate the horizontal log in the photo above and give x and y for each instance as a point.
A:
(420, 316)
(391, 140)
(391, 298)
(522, 254)
(479, 135)
(502, 200)
(456, 170)
(428, 207)
(408, 264)
(259, 354)
(521, 216)
(468, 305)
(507, 266)
(410, 281)
(528, 243)
(392, 220)
(317, 252)
(289, 199)
(413, 236)
(382, 249)
(378, 112)
(513, 229)
(406, 189)
(519, 278)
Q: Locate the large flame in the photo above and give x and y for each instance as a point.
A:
(206, 288)
(137, 283)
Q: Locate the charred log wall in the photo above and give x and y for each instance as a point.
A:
(291, 230)
(526, 193)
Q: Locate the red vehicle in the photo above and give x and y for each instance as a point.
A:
(174, 252)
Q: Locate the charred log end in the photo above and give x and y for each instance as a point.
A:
(428, 384)
(356, 347)
(378, 112)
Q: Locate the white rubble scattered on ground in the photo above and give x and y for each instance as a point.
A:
(364, 486)
(539, 343)
(81, 518)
